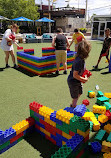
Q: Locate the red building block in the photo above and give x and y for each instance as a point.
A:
(49, 138)
(85, 102)
(16, 137)
(71, 133)
(35, 106)
(31, 121)
(108, 114)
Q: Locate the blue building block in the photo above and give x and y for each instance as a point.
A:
(75, 142)
(61, 137)
(41, 133)
(96, 147)
(53, 118)
(8, 134)
(29, 130)
(39, 116)
(1, 134)
(69, 109)
(79, 110)
(39, 124)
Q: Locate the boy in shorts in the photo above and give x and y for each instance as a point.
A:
(75, 78)
(105, 48)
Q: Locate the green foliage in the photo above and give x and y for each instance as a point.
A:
(83, 30)
(16, 8)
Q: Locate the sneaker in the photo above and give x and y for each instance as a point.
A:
(7, 66)
(15, 66)
(65, 72)
(57, 72)
(95, 67)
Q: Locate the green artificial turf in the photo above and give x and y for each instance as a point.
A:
(18, 89)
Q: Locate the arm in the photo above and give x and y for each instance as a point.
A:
(67, 42)
(53, 42)
(71, 43)
(78, 77)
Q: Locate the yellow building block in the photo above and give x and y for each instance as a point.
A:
(50, 122)
(87, 116)
(108, 95)
(107, 155)
(21, 126)
(96, 124)
(84, 134)
(107, 128)
(102, 118)
(45, 132)
(66, 135)
(106, 146)
(99, 109)
(63, 143)
(64, 116)
(92, 95)
(45, 111)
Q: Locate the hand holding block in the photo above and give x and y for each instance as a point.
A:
(12, 37)
(18, 48)
(86, 74)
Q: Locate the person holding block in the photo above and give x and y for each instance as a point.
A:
(75, 78)
(7, 44)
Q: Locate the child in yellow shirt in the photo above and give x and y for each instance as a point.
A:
(76, 38)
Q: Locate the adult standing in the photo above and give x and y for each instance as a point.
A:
(60, 42)
(76, 38)
(7, 44)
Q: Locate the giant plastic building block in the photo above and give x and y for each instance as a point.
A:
(106, 146)
(85, 102)
(107, 105)
(101, 100)
(99, 109)
(42, 65)
(107, 128)
(109, 138)
(96, 147)
(91, 94)
(108, 114)
(107, 155)
(108, 95)
(100, 135)
(100, 94)
(102, 118)
(79, 110)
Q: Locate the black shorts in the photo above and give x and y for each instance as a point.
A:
(103, 53)
(75, 89)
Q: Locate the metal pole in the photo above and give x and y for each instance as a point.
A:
(49, 18)
(86, 13)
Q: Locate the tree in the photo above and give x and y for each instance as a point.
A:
(16, 8)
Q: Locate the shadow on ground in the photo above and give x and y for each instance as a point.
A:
(44, 146)
(2, 68)
(28, 73)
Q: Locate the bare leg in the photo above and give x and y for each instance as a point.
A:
(76, 49)
(58, 65)
(65, 66)
(74, 101)
(6, 56)
(12, 55)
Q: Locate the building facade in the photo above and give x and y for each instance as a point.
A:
(99, 24)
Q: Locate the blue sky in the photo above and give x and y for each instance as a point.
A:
(92, 4)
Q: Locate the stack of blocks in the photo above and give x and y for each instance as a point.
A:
(64, 129)
(42, 65)
(14, 134)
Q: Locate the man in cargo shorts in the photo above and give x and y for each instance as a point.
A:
(60, 42)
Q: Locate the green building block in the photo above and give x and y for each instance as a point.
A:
(62, 128)
(101, 100)
(100, 94)
(87, 110)
(4, 145)
(63, 152)
(31, 113)
(100, 135)
(107, 105)
(109, 138)
(20, 139)
(91, 125)
(83, 125)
